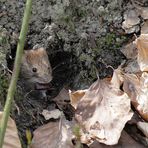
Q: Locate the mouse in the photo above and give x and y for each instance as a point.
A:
(36, 68)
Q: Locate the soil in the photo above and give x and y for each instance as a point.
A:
(83, 39)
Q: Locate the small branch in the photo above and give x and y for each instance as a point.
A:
(17, 64)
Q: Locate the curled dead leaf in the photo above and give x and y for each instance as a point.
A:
(142, 45)
(11, 139)
(137, 90)
(144, 28)
(131, 21)
(63, 103)
(62, 98)
(142, 11)
(103, 111)
(76, 96)
(129, 51)
(131, 66)
(53, 135)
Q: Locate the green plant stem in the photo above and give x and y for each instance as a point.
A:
(16, 70)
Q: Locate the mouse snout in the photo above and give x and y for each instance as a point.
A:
(45, 78)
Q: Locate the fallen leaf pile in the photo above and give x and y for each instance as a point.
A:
(103, 110)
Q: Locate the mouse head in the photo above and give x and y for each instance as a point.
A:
(36, 67)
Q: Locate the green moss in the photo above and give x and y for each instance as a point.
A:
(3, 40)
(4, 44)
(80, 12)
(4, 84)
(72, 14)
(3, 36)
(110, 41)
(85, 57)
(19, 95)
(90, 57)
(67, 20)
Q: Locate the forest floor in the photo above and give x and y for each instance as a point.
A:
(84, 39)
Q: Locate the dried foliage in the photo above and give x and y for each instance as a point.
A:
(102, 110)
(53, 114)
(11, 139)
(125, 141)
(142, 46)
(100, 114)
(137, 90)
(144, 28)
(53, 135)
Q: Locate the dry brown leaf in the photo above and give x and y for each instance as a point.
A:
(117, 78)
(53, 114)
(62, 98)
(125, 141)
(11, 139)
(129, 51)
(63, 103)
(53, 135)
(103, 111)
(143, 126)
(142, 11)
(76, 96)
(137, 90)
(144, 28)
(131, 21)
(142, 45)
(131, 66)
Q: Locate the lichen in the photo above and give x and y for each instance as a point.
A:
(4, 45)
(89, 58)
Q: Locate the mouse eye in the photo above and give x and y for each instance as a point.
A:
(34, 69)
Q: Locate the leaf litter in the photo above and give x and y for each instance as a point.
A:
(100, 114)
(53, 135)
(102, 110)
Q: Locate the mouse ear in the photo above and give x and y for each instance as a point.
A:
(41, 49)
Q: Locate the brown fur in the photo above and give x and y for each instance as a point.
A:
(38, 59)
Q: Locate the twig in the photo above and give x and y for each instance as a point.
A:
(17, 64)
